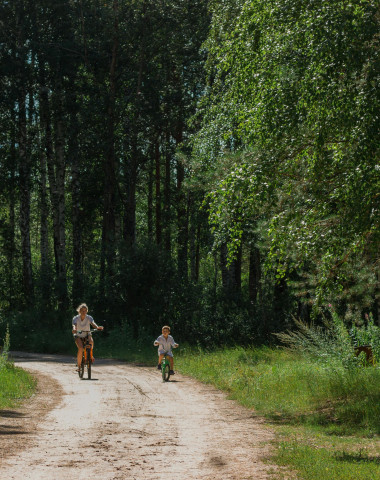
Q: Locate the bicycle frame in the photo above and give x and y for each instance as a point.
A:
(87, 356)
(165, 368)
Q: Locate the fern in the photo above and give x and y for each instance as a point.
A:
(332, 343)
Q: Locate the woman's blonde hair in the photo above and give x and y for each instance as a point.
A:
(82, 305)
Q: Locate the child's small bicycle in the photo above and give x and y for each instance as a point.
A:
(165, 368)
(87, 357)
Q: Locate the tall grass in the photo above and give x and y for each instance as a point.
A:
(325, 464)
(283, 384)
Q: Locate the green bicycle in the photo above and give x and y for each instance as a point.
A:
(165, 368)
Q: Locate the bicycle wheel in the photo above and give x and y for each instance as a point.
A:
(165, 371)
(89, 364)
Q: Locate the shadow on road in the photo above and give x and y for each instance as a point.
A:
(11, 414)
(27, 357)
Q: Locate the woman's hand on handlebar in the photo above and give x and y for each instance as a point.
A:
(99, 328)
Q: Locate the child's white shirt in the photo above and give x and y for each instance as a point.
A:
(165, 344)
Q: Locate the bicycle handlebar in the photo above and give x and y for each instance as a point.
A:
(85, 331)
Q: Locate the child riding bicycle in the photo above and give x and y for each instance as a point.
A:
(165, 342)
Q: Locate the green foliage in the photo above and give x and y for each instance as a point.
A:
(292, 91)
(332, 343)
(120, 344)
(368, 334)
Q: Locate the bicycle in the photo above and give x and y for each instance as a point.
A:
(165, 368)
(87, 357)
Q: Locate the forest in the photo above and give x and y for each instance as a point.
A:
(211, 165)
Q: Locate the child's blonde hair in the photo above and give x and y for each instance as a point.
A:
(165, 326)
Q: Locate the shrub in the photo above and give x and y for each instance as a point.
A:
(332, 343)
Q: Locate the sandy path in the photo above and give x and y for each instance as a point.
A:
(126, 424)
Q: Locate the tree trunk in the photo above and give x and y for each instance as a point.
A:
(25, 185)
(231, 273)
(46, 149)
(167, 195)
(254, 273)
(158, 192)
(77, 287)
(197, 252)
(12, 211)
(24, 159)
(150, 197)
(182, 217)
(192, 243)
(56, 173)
(130, 206)
(109, 224)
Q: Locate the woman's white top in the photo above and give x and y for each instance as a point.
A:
(83, 325)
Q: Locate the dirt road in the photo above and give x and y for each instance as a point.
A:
(127, 424)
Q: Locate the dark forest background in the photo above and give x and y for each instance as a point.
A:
(209, 165)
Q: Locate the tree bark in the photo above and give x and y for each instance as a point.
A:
(130, 206)
(231, 273)
(167, 195)
(254, 273)
(150, 197)
(24, 160)
(25, 185)
(46, 150)
(73, 152)
(182, 216)
(109, 224)
(192, 243)
(56, 173)
(158, 192)
(12, 211)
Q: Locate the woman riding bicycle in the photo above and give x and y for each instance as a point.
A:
(82, 323)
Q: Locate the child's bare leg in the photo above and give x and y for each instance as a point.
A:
(160, 359)
(171, 361)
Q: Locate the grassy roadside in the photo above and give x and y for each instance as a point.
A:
(15, 386)
(327, 419)
(15, 383)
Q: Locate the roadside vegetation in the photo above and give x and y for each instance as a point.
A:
(323, 401)
(15, 383)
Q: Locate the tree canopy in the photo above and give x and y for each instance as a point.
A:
(209, 164)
